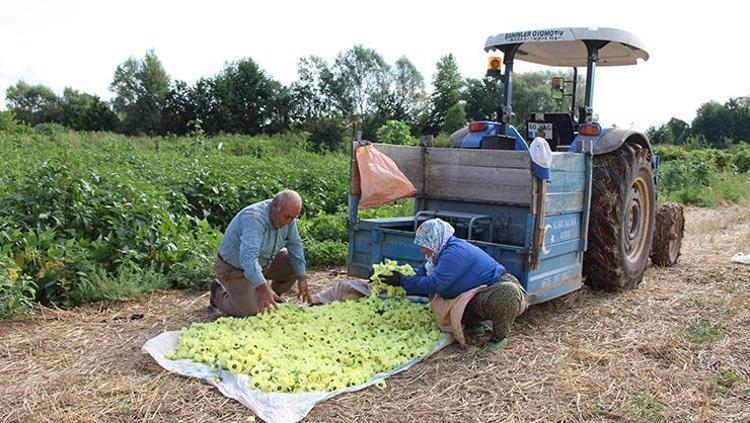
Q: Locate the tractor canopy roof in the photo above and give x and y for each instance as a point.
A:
(566, 46)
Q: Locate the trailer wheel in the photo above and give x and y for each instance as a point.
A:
(670, 228)
(621, 224)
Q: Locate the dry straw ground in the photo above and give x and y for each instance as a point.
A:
(676, 349)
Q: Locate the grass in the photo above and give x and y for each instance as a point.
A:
(596, 407)
(700, 331)
(646, 407)
(130, 281)
(726, 187)
(724, 381)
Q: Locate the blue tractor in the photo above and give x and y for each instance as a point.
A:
(594, 221)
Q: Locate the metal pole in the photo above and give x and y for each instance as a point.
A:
(508, 83)
(588, 109)
(506, 110)
(353, 203)
(586, 215)
(593, 57)
(573, 99)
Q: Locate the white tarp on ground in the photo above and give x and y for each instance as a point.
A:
(272, 407)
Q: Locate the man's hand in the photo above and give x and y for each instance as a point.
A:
(392, 280)
(266, 298)
(303, 292)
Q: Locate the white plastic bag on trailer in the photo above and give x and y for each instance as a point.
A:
(272, 407)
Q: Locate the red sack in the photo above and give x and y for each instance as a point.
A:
(380, 179)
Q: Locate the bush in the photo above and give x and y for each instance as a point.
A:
(395, 132)
(50, 129)
(326, 253)
(442, 140)
(55, 264)
(84, 215)
(724, 160)
(325, 238)
(678, 178)
(719, 158)
(258, 147)
(668, 153)
(326, 134)
(194, 265)
(10, 124)
(698, 182)
(130, 280)
(211, 196)
(325, 227)
(741, 159)
(17, 290)
(455, 118)
(402, 207)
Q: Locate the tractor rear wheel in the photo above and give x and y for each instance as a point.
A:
(621, 224)
(670, 227)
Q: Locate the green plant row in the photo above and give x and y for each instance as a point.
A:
(94, 215)
(703, 177)
(735, 159)
(87, 216)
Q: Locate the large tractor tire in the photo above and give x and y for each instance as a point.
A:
(670, 228)
(621, 225)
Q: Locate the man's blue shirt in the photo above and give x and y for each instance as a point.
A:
(251, 242)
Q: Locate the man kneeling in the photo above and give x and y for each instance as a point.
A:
(261, 243)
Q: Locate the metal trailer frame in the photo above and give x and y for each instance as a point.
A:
(537, 230)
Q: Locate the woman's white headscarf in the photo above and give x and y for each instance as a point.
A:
(433, 235)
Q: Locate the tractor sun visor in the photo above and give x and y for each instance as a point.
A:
(541, 158)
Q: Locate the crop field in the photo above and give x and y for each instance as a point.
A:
(88, 216)
(97, 230)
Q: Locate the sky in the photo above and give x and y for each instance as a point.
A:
(698, 52)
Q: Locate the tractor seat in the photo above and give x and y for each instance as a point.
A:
(563, 129)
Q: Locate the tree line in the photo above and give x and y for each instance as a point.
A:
(359, 89)
(715, 125)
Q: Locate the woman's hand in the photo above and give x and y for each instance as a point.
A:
(392, 280)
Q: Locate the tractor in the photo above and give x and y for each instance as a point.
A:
(592, 220)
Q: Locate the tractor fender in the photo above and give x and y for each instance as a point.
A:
(457, 136)
(464, 138)
(613, 138)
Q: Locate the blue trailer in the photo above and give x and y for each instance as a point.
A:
(593, 222)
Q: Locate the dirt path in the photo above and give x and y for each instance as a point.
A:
(676, 349)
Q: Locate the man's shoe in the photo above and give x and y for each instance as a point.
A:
(214, 287)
